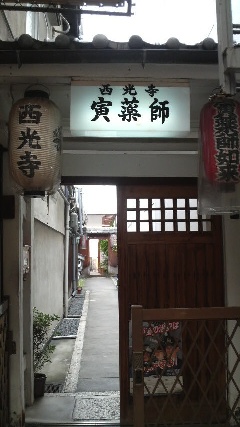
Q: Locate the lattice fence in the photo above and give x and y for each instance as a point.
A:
(195, 379)
(4, 408)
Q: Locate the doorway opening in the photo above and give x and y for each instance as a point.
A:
(94, 259)
(103, 256)
(158, 228)
(93, 359)
(98, 242)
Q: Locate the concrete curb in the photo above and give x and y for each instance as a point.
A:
(70, 384)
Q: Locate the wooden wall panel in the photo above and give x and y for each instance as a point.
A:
(166, 270)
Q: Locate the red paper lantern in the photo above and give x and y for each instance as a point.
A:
(35, 139)
(220, 139)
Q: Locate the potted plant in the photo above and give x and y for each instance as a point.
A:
(80, 285)
(42, 348)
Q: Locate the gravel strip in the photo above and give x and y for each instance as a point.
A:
(76, 305)
(69, 326)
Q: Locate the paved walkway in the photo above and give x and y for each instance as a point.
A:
(99, 370)
(91, 390)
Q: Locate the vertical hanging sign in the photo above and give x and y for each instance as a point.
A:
(35, 138)
(219, 156)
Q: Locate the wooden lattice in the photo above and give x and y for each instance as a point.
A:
(205, 390)
(3, 370)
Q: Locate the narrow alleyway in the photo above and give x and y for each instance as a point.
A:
(91, 365)
(99, 369)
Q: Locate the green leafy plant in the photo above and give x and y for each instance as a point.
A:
(80, 283)
(42, 349)
(104, 253)
(104, 246)
(104, 264)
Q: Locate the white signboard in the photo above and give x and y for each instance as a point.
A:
(129, 111)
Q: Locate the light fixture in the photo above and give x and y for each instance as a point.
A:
(219, 156)
(35, 139)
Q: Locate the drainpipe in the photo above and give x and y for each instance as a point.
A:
(74, 263)
(74, 229)
(80, 211)
(66, 253)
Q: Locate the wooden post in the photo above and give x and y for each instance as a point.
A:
(225, 40)
(137, 366)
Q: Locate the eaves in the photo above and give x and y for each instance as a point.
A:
(48, 53)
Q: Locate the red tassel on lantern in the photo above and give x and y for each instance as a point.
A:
(35, 139)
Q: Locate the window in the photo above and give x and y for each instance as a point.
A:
(165, 215)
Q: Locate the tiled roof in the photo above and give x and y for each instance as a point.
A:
(68, 50)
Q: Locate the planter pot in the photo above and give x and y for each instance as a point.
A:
(79, 290)
(39, 384)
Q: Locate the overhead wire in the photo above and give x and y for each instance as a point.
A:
(63, 31)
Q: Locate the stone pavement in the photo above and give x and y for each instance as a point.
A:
(91, 388)
(99, 370)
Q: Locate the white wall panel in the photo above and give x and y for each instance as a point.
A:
(131, 165)
(48, 259)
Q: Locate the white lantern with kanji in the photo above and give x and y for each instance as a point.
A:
(35, 140)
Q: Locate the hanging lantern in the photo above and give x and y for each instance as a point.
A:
(220, 139)
(35, 139)
(219, 156)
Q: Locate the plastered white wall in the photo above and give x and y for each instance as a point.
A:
(50, 211)
(48, 267)
(131, 165)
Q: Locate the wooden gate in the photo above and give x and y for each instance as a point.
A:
(201, 394)
(169, 257)
(4, 356)
(4, 359)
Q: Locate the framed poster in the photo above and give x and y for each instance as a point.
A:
(162, 358)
